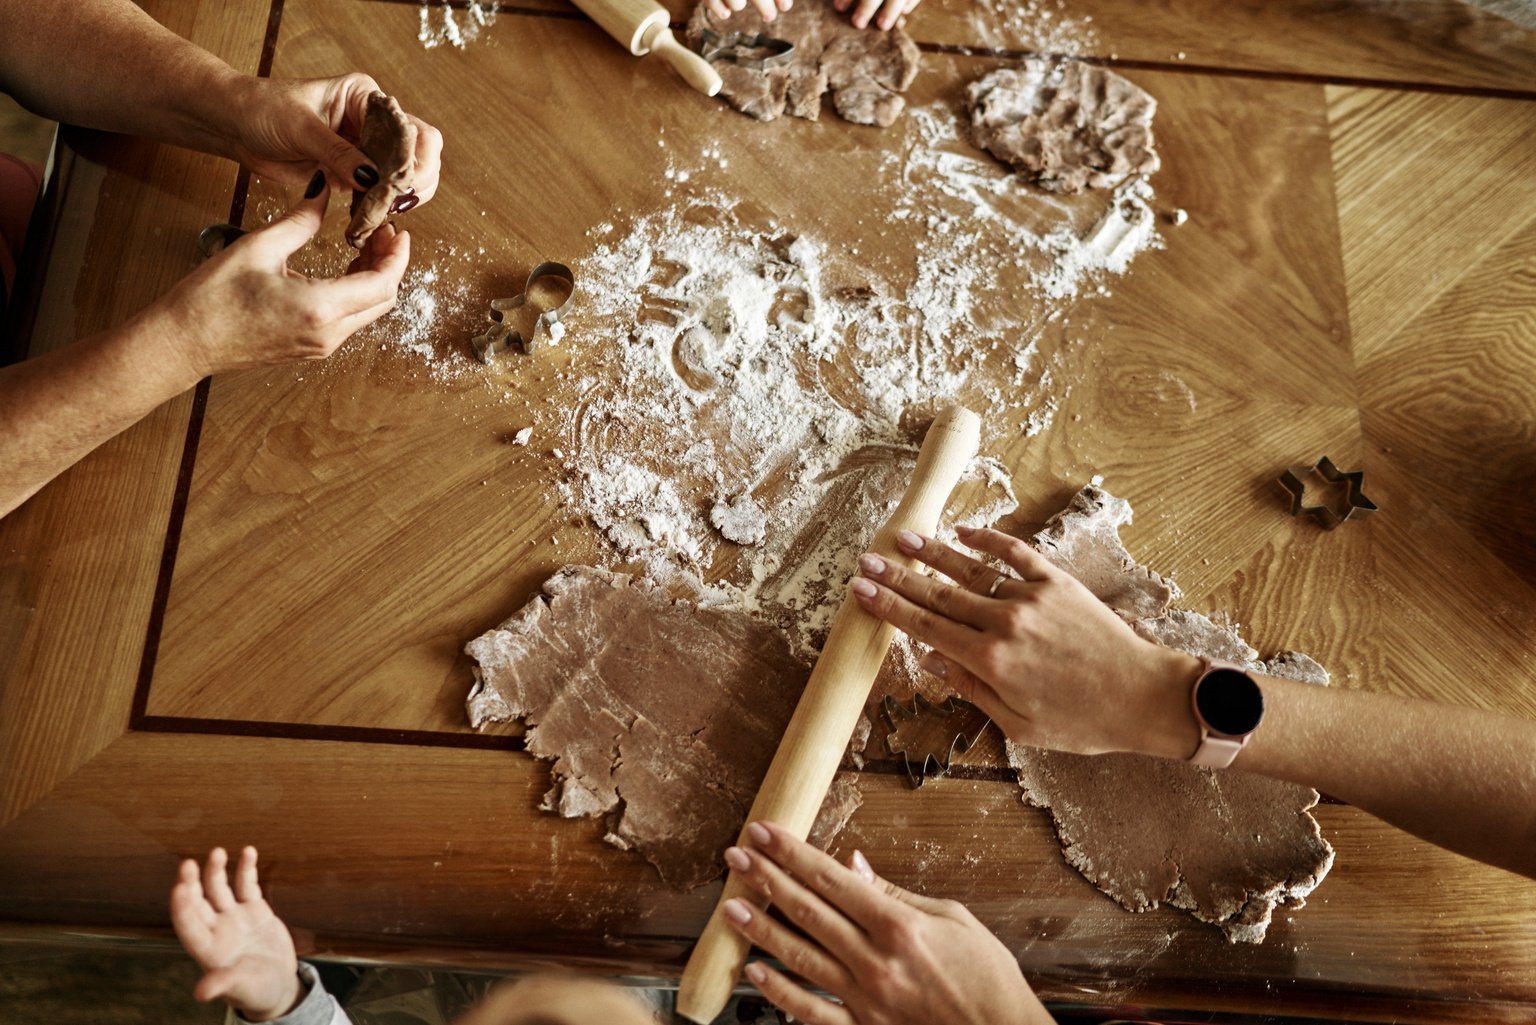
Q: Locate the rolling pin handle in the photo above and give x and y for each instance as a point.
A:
(695, 70)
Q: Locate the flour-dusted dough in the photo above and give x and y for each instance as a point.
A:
(388, 139)
(1227, 846)
(865, 70)
(658, 714)
(1066, 124)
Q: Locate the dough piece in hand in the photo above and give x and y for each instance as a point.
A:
(389, 140)
(659, 715)
(1227, 846)
(1067, 125)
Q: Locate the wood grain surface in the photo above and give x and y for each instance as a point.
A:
(241, 621)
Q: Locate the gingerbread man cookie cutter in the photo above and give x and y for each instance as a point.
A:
(1356, 506)
(502, 335)
(740, 48)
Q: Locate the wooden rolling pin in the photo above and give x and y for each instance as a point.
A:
(643, 27)
(829, 709)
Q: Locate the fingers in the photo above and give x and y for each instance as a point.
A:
(842, 5)
(768, 9)
(943, 599)
(191, 915)
(246, 885)
(793, 896)
(794, 951)
(924, 624)
(794, 1000)
(284, 236)
(215, 882)
(841, 887)
(1026, 562)
(892, 10)
(863, 12)
(719, 9)
(216, 983)
(362, 296)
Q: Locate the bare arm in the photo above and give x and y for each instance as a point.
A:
(1056, 668)
(106, 64)
(243, 308)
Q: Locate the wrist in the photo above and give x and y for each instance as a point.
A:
(219, 106)
(287, 1001)
(1161, 722)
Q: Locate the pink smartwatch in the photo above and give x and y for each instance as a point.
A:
(1228, 707)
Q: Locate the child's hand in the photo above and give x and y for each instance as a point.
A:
(864, 11)
(767, 9)
(242, 946)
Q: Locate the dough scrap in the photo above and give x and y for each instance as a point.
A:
(740, 519)
(658, 714)
(865, 70)
(1229, 847)
(1066, 124)
(388, 139)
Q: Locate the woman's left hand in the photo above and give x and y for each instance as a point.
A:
(890, 956)
(290, 126)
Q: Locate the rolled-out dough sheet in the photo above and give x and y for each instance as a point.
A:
(1226, 846)
(865, 70)
(1065, 124)
(660, 716)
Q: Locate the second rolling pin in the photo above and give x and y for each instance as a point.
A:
(829, 709)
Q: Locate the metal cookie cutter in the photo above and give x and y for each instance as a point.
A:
(217, 237)
(928, 736)
(501, 335)
(1357, 506)
(740, 48)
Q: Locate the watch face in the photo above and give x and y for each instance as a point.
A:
(1230, 702)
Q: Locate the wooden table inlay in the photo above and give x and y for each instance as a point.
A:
(241, 621)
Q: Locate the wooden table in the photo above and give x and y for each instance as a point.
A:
(240, 621)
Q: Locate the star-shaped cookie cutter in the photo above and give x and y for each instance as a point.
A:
(736, 48)
(501, 335)
(921, 766)
(1357, 506)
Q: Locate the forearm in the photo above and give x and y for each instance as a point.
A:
(56, 408)
(106, 64)
(1462, 778)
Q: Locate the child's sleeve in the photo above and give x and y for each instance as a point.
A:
(317, 1008)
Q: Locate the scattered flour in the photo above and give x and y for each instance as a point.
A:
(440, 24)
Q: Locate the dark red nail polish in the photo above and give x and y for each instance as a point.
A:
(316, 184)
(404, 203)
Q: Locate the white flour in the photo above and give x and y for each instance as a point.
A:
(440, 24)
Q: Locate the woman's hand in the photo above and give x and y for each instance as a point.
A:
(236, 939)
(1049, 662)
(289, 126)
(246, 308)
(892, 957)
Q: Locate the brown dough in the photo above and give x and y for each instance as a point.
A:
(389, 140)
(864, 69)
(1066, 124)
(1229, 847)
(658, 714)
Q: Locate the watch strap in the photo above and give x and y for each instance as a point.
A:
(1217, 750)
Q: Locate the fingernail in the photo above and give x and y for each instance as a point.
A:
(908, 540)
(872, 564)
(862, 867)
(737, 859)
(963, 530)
(759, 834)
(737, 911)
(404, 203)
(755, 973)
(365, 176)
(316, 184)
(863, 588)
(934, 664)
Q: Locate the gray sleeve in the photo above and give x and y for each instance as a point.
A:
(317, 1008)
